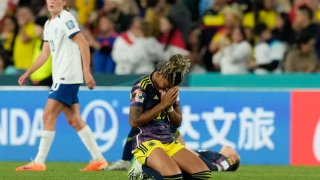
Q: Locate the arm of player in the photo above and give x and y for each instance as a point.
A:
(45, 52)
(174, 111)
(137, 117)
(85, 55)
(175, 116)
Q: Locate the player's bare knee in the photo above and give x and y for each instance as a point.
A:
(72, 124)
(48, 121)
(76, 122)
(70, 120)
(45, 116)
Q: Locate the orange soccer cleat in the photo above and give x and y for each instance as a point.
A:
(32, 167)
(96, 166)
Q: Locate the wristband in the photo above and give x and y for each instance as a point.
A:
(170, 109)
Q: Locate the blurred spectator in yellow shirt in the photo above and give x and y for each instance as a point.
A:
(266, 13)
(25, 39)
(211, 21)
(84, 8)
(222, 38)
(41, 76)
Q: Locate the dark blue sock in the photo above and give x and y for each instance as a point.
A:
(127, 155)
(151, 172)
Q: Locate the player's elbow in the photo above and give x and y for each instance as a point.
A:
(81, 41)
(176, 124)
(84, 45)
(45, 55)
(133, 123)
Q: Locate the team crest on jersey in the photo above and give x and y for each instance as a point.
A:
(152, 144)
(139, 97)
(70, 24)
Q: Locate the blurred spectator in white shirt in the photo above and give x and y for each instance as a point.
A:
(268, 52)
(234, 58)
(133, 53)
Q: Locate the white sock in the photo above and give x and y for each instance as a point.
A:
(44, 147)
(88, 140)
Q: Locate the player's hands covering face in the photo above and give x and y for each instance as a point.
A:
(170, 96)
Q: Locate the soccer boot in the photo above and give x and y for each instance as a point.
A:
(120, 165)
(32, 166)
(96, 166)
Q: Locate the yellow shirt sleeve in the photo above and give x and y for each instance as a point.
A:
(84, 9)
(30, 30)
(213, 20)
(248, 20)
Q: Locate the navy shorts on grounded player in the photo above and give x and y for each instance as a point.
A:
(65, 93)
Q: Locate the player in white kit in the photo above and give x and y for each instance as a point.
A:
(70, 63)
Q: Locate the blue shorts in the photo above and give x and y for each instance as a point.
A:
(65, 93)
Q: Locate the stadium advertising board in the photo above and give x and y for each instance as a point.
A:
(255, 123)
(305, 128)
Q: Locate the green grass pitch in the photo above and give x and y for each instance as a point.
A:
(61, 171)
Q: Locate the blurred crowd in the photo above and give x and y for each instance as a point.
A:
(132, 36)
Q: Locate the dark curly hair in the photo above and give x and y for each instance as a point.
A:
(175, 69)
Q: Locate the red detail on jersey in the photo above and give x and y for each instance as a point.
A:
(176, 39)
(126, 37)
(305, 116)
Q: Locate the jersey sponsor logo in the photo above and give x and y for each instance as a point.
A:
(156, 97)
(70, 24)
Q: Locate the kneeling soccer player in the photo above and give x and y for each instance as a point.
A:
(227, 159)
(154, 108)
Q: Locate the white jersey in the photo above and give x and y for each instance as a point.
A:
(66, 57)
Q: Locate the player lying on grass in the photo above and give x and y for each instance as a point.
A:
(227, 159)
(154, 108)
